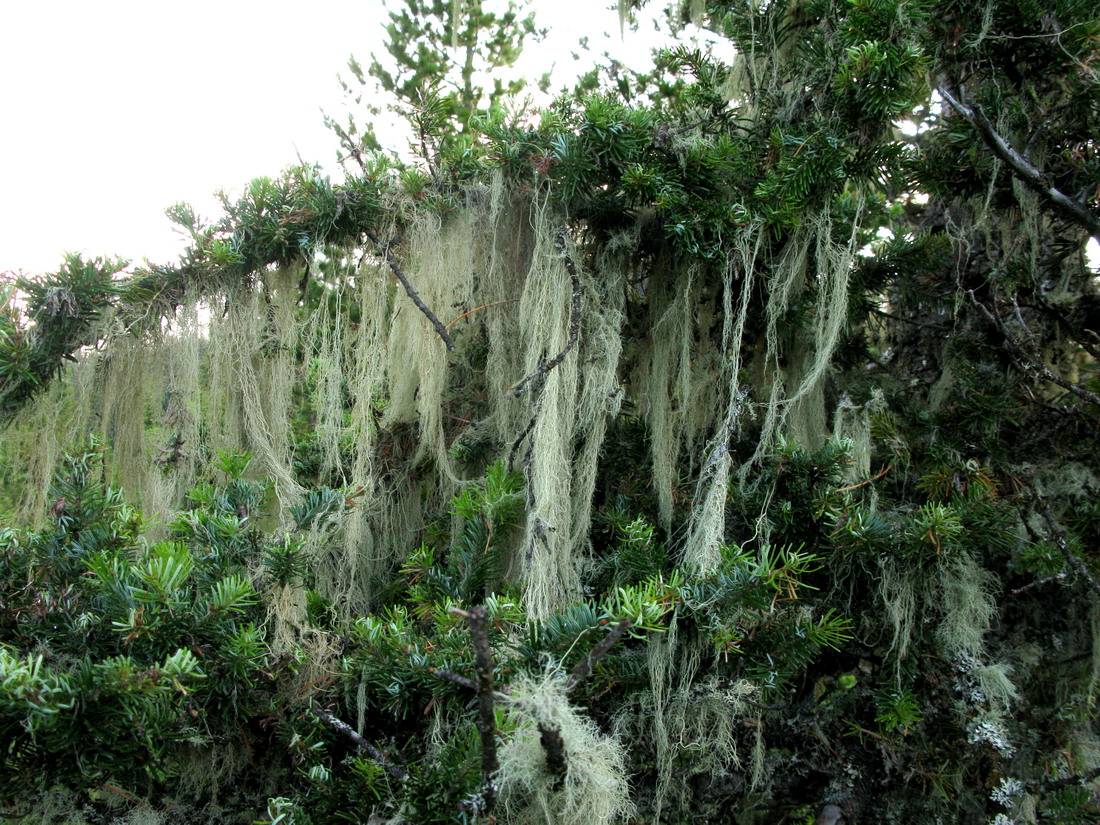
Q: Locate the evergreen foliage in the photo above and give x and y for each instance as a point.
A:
(726, 455)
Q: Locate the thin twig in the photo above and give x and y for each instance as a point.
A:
(483, 306)
(476, 619)
(1064, 782)
(451, 676)
(1073, 209)
(1040, 582)
(353, 736)
(126, 796)
(887, 469)
(1040, 370)
(574, 321)
(924, 324)
(395, 267)
(1059, 537)
(584, 668)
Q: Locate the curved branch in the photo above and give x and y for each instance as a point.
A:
(400, 273)
(1073, 209)
(574, 322)
(353, 736)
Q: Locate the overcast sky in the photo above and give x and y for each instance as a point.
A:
(112, 110)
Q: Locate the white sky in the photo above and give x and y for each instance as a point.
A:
(115, 109)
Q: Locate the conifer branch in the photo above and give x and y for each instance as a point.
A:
(1075, 210)
(574, 321)
(451, 676)
(476, 619)
(353, 736)
(395, 267)
(1036, 368)
(584, 668)
(1064, 782)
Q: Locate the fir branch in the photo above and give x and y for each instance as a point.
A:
(451, 676)
(1059, 537)
(353, 736)
(400, 274)
(1064, 782)
(1038, 369)
(584, 668)
(1074, 210)
(476, 619)
(574, 320)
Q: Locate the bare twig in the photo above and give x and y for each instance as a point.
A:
(451, 676)
(885, 470)
(1059, 537)
(476, 619)
(395, 267)
(1064, 782)
(1061, 577)
(128, 797)
(1073, 209)
(574, 321)
(924, 324)
(584, 668)
(353, 736)
(1033, 366)
(483, 306)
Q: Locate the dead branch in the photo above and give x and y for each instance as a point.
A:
(1036, 368)
(584, 668)
(395, 267)
(1070, 208)
(574, 321)
(353, 736)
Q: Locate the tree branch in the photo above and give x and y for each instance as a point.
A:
(574, 321)
(584, 668)
(1059, 536)
(451, 676)
(396, 268)
(476, 619)
(352, 735)
(1038, 369)
(1073, 209)
(1065, 782)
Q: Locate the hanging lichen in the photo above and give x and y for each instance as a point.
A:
(594, 789)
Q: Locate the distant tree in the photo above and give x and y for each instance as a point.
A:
(443, 63)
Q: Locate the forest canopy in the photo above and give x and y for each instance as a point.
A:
(717, 443)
